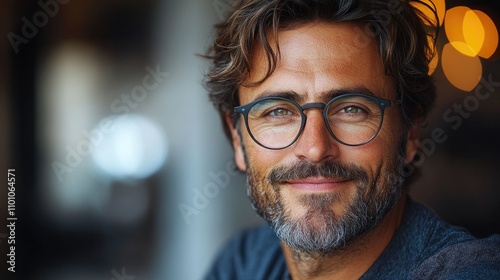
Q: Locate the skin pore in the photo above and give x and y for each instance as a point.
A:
(316, 60)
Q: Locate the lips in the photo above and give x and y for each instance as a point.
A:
(327, 176)
(317, 183)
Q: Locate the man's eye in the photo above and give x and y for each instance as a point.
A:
(280, 112)
(352, 110)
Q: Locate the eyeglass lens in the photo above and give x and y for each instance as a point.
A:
(276, 123)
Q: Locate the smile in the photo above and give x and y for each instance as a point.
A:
(317, 183)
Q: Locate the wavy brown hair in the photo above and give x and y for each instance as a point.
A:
(401, 31)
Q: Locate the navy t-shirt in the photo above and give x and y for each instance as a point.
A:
(423, 247)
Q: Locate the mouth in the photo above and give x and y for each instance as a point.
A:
(317, 184)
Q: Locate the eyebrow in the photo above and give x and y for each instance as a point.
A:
(329, 95)
(292, 95)
(323, 96)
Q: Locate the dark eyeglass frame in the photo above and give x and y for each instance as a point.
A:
(382, 104)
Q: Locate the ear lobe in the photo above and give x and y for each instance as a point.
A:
(239, 155)
(412, 143)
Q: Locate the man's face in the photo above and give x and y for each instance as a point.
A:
(319, 194)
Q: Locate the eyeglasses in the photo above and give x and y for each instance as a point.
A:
(352, 119)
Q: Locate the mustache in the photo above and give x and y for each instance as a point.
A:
(327, 169)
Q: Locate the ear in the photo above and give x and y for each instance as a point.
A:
(412, 143)
(239, 155)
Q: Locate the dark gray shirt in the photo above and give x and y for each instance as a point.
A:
(423, 247)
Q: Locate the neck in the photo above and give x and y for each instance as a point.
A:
(352, 261)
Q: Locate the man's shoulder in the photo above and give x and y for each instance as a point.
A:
(470, 259)
(426, 247)
(254, 253)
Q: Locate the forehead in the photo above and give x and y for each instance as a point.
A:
(317, 58)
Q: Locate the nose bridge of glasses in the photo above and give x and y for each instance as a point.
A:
(313, 105)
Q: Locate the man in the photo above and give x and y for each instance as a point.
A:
(322, 101)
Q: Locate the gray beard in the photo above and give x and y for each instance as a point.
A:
(322, 231)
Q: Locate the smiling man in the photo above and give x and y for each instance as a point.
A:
(322, 101)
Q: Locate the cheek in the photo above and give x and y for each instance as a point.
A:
(378, 154)
(391, 135)
(369, 156)
(260, 158)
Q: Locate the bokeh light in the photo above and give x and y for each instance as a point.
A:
(473, 32)
(490, 42)
(454, 28)
(463, 72)
(136, 148)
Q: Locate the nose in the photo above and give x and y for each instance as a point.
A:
(315, 143)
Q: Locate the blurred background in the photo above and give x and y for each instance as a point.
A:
(122, 168)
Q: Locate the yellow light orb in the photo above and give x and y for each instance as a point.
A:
(454, 28)
(490, 42)
(473, 32)
(463, 72)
